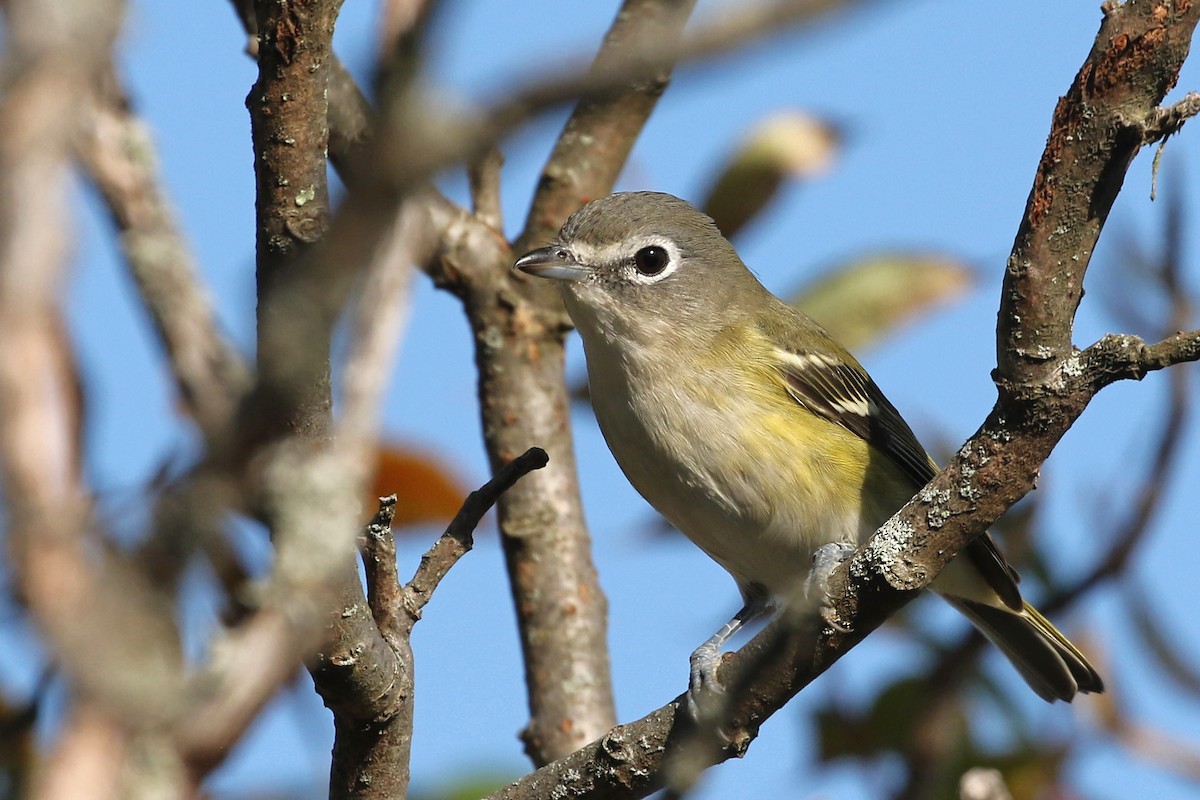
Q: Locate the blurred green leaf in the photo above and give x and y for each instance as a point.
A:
(933, 737)
(789, 144)
(469, 786)
(861, 301)
(887, 726)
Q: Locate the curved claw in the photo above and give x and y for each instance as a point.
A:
(705, 694)
(703, 678)
(826, 559)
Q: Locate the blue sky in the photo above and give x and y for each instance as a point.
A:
(947, 106)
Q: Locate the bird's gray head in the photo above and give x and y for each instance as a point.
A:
(642, 259)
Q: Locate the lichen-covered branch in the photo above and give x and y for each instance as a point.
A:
(1111, 109)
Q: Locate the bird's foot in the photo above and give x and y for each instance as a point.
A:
(704, 690)
(826, 559)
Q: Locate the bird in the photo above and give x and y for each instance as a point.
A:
(752, 431)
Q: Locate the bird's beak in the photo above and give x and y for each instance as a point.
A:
(554, 261)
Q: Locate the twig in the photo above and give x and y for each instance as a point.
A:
(373, 723)
(1167, 121)
(484, 175)
(379, 569)
(458, 538)
(374, 734)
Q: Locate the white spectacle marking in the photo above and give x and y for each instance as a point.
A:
(621, 253)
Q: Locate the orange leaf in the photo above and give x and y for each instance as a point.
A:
(426, 491)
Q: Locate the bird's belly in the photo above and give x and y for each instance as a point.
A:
(759, 502)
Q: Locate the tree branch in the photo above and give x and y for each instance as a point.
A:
(288, 113)
(457, 540)
(107, 632)
(561, 612)
(211, 377)
(374, 734)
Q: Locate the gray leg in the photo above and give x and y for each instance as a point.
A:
(707, 657)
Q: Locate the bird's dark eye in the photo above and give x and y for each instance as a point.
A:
(651, 260)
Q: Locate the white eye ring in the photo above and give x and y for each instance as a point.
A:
(653, 261)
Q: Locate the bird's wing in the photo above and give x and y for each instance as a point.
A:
(842, 392)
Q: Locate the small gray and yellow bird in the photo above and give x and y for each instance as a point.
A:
(751, 430)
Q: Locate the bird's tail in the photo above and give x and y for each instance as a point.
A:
(1049, 663)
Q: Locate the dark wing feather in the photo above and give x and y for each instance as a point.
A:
(845, 394)
(842, 392)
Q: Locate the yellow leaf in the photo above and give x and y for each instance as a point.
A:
(861, 301)
(789, 144)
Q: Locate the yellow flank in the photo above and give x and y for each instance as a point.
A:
(821, 460)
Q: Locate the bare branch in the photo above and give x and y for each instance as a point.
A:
(288, 109)
(106, 632)
(561, 614)
(377, 319)
(458, 538)
(373, 722)
(484, 175)
(307, 485)
(1110, 110)
(379, 570)
(120, 157)
(374, 734)
(1167, 121)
